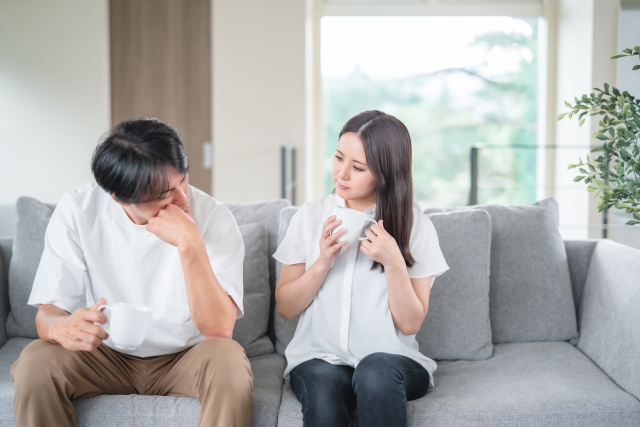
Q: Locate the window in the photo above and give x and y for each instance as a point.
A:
(455, 82)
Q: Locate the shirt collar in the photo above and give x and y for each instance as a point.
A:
(370, 212)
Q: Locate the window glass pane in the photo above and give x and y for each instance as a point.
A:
(455, 82)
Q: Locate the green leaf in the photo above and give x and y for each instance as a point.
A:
(602, 137)
(581, 122)
(619, 56)
(606, 87)
(632, 222)
(637, 67)
(629, 51)
(621, 101)
(591, 189)
(578, 178)
(571, 166)
(584, 171)
(561, 116)
(568, 105)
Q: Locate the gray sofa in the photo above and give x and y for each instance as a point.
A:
(528, 330)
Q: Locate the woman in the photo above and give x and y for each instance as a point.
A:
(360, 306)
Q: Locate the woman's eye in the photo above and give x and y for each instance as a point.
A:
(338, 157)
(358, 169)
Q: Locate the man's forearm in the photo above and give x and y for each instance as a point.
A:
(47, 315)
(212, 310)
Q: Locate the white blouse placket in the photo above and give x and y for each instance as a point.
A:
(345, 313)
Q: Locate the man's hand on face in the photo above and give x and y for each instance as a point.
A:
(78, 331)
(175, 226)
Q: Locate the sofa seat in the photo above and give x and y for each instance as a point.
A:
(523, 384)
(135, 410)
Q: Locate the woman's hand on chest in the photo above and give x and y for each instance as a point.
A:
(381, 247)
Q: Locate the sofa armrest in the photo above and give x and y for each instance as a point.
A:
(610, 314)
(579, 253)
(6, 247)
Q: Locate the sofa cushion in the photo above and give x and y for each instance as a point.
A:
(251, 330)
(524, 384)
(8, 355)
(6, 245)
(284, 328)
(530, 294)
(28, 244)
(457, 325)
(610, 314)
(266, 213)
(161, 411)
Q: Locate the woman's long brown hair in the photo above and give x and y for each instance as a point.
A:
(387, 147)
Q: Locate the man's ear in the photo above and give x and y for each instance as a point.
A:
(113, 196)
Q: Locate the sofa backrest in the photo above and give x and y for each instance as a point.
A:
(6, 247)
(266, 213)
(610, 314)
(579, 253)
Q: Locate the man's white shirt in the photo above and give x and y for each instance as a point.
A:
(93, 248)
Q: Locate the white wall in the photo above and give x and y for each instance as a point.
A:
(258, 95)
(54, 81)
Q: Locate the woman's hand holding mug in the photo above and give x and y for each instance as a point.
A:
(329, 247)
(381, 247)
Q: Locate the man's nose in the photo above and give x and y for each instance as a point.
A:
(180, 198)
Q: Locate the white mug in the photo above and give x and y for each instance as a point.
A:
(128, 324)
(354, 221)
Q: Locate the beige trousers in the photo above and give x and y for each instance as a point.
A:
(215, 371)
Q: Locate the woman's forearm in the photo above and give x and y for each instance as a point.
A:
(295, 290)
(407, 309)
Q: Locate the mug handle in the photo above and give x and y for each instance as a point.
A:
(103, 308)
(366, 221)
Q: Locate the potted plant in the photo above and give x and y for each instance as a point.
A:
(613, 174)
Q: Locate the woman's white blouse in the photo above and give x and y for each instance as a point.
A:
(349, 318)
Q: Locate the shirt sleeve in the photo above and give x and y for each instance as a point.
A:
(425, 249)
(61, 274)
(225, 248)
(292, 249)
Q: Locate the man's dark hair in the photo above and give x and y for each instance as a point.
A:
(132, 162)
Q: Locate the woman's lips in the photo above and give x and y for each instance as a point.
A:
(342, 187)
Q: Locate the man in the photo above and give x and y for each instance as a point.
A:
(142, 236)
